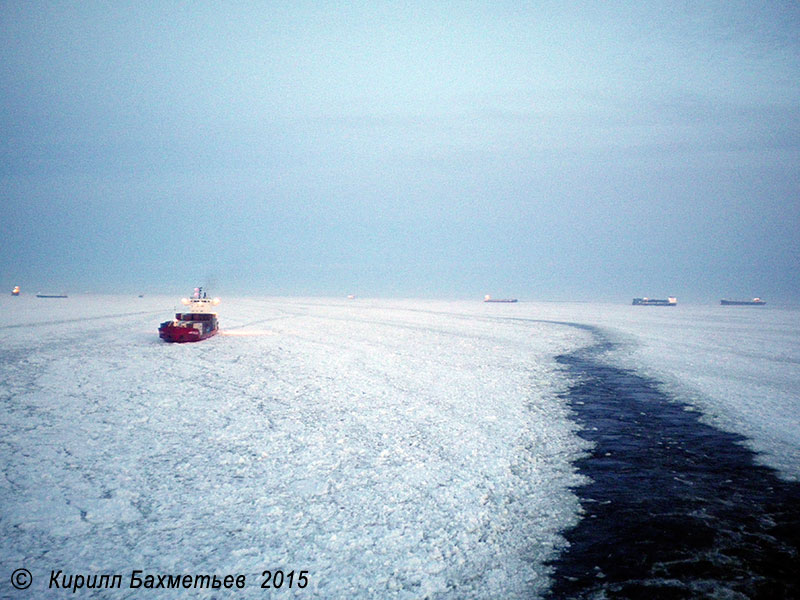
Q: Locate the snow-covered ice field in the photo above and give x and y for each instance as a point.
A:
(391, 448)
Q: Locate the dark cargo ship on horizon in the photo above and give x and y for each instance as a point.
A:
(753, 302)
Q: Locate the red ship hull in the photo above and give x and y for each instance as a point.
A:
(170, 333)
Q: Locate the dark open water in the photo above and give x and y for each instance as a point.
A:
(676, 508)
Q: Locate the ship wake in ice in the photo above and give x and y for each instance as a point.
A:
(674, 507)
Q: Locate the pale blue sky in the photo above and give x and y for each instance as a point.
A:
(546, 150)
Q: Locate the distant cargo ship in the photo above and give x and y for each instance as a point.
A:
(488, 298)
(671, 301)
(753, 302)
(51, 295)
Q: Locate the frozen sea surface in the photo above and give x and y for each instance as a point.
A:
(393, 449)
(397, 450)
